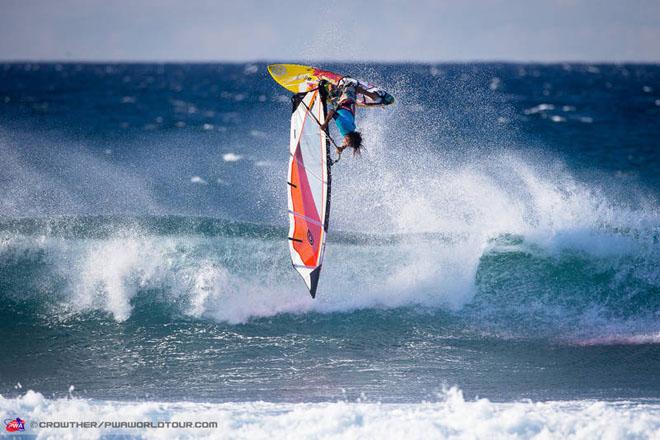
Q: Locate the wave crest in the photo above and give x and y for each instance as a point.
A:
(452, 416)
(160, 268)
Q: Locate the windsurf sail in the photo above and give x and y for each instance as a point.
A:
(308, 185)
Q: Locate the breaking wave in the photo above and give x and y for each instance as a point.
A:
(451, 416)
(568, 283)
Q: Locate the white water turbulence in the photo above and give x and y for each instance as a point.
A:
(450, 417)
(203, 277)
(470, 201)
(422, 233)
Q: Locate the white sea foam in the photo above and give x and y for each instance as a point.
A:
(258, 134)
(198, 180)
(250, 69)
(109, 277)
(539, 108)
(231, 157)
(108, 274)
(450, 417)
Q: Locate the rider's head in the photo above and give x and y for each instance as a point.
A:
(354, 140)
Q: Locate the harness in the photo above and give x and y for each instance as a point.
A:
(347, 105)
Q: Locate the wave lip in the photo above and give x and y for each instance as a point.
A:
(450, 417)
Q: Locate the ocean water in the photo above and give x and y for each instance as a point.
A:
(492, 267)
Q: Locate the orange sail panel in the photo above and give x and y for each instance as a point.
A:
(308, 186)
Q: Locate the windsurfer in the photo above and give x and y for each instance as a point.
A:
(342, 97)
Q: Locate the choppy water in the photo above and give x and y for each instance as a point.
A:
(500, 234)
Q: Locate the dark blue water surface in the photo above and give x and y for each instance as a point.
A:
(500, 233)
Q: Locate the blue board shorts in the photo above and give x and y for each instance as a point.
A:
(345, 121)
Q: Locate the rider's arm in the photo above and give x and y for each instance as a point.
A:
(331, 113)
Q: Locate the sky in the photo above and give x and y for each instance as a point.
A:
(334, 30)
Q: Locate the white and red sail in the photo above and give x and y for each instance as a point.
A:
(308, 186)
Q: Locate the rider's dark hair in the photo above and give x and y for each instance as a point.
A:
(356, 142)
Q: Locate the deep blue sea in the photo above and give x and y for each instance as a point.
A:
(492, 267)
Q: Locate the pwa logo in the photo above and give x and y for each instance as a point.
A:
(15, 425)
